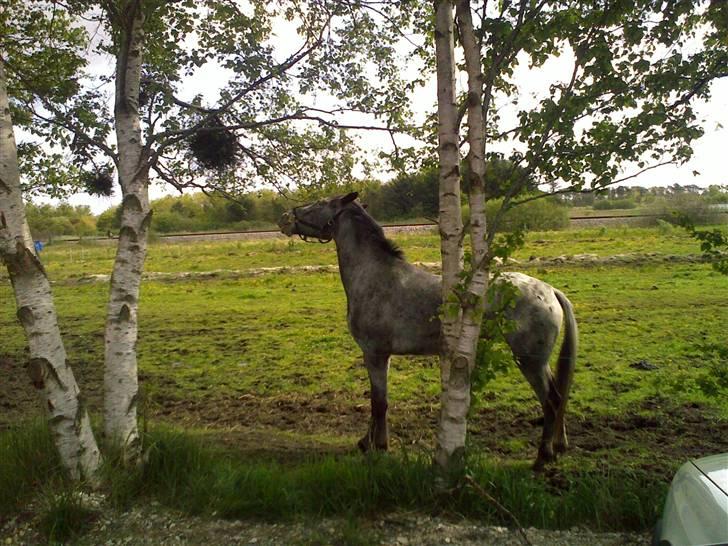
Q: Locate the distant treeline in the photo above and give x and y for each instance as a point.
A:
(626, 197)
(406, 198)
(48, 221)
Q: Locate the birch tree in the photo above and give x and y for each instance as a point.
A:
(625, 107)
(266, 119)
(47, 368)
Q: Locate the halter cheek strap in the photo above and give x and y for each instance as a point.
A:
(326, 230)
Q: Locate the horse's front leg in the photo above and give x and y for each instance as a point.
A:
(378, 435)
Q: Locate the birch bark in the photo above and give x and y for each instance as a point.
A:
(450, 221)
(463, 326)
(121, 386)
(48, 368)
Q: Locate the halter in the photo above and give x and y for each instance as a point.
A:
(328, 226)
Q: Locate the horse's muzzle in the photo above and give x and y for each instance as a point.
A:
(287, 223)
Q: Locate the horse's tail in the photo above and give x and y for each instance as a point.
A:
(567, 359)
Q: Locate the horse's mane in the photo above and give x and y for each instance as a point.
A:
(373, 232)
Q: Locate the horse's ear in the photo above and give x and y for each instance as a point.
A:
(348, 198)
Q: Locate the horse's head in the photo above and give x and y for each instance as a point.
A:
(317, 219)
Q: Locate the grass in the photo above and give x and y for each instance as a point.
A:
(184, 472)
(65, 516)
(265, 367)
(27, 460)
(286, 334)
(72, 261)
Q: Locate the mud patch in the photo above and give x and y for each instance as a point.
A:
(654, 439)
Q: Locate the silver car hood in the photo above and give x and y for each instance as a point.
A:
(696, 508)
(715, 468)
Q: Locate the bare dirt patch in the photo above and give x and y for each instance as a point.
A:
(654, 436)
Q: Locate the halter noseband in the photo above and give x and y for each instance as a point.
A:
(328, 226)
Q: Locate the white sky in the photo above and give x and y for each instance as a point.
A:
(709, 151)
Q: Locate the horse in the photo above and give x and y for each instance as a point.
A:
(393, 309)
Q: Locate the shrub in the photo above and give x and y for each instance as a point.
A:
(687, 205)
(541, 215)
(614, 204)
(664, 228)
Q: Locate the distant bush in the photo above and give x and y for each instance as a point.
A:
(538, 215)
(665, 228)
(691, 206)
(48, 221)
(109, 220)
(716, 194)
(407, 196)
(614, 204)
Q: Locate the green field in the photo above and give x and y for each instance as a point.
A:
(72, 261)
(264, 364)
(257, 351)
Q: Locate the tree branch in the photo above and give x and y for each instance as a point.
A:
(168, 138)
(573, 189)
(77, 132)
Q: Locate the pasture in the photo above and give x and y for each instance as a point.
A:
(260, 363)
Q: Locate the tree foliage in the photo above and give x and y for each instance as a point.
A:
(41, 49)
(280, 106)
(47, 221)
(713, 243)
(623, 80)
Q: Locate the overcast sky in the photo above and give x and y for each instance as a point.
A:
(708, 160)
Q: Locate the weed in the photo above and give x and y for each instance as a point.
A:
(64, 516)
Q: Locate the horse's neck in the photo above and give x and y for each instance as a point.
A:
(357, 253)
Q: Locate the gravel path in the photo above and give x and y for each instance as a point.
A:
(151, 524)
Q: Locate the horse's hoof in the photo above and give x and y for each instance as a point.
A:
(364, 444)
(539, 466)
(545, 456)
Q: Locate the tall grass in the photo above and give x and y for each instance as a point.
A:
(28, 460)
(64, 516)
(183, 471)
(187, 474)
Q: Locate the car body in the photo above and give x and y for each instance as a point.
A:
(696, 508)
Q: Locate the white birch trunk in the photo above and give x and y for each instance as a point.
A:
(450, 431)
(454, 428)
(48, 369)
(464, 330)
(121, 385)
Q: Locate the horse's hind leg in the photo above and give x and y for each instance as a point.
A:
(538, 374)
(378, 435)
(561, 442)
